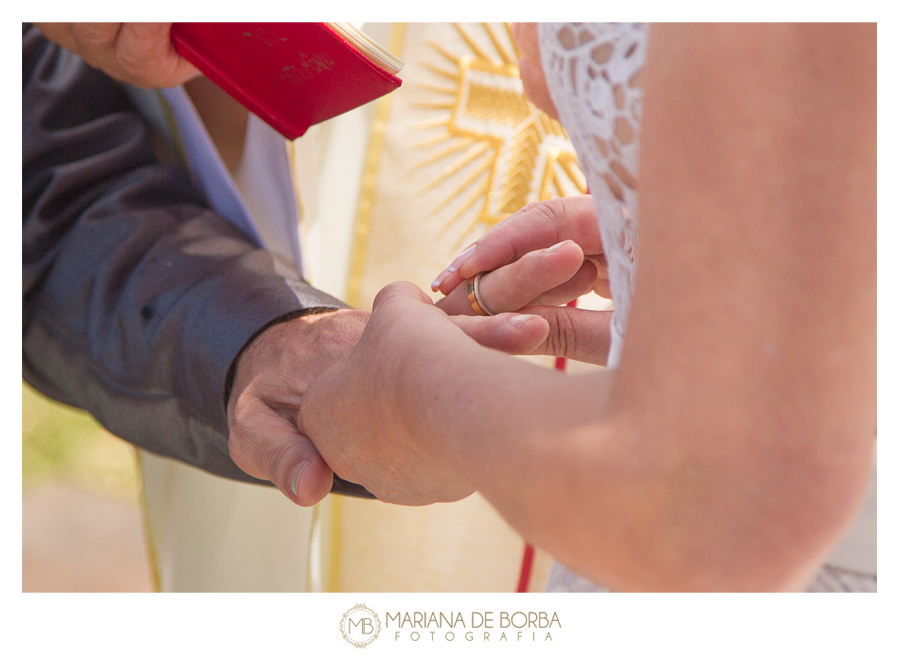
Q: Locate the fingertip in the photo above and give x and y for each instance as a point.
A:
(533, 324)
(569, 255)
(450, 283)
(566, 246)
(524, 333)
(310, 482)
(517, 321)
(460, 260)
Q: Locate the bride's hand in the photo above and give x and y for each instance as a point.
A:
(519, 247)
(549, 276)
(543, 256)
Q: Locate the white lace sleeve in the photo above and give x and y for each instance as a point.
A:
(594, 75)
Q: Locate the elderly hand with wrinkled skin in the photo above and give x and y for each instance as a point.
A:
(140, 54)
(267, 436)
(267, 412)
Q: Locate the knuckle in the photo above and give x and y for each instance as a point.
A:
(530, 206)
(530, 212)
(95, 37)
(279, 462)
(387, 293)
(560, 210)
(541, 212)
(562, 337)
(553, 212)
(95, 34)
(397, 291)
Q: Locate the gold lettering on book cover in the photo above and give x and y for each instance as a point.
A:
(264, 35)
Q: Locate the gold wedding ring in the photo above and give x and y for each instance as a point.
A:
(474, 294)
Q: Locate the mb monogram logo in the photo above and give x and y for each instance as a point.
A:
(360, 626)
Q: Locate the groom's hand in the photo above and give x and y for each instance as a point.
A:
(271, 376)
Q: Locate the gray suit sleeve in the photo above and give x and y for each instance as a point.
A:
(136, 297)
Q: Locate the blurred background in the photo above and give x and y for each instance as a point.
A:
(82, 525)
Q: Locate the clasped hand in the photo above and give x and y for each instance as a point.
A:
(349, 399)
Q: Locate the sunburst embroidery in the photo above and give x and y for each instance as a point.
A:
(499, 151)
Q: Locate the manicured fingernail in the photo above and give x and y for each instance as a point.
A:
(295, 476)
(462, 258)
(439, 280)
(555, 247)
(518, 320)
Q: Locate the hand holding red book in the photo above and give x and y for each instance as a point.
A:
(291, 75)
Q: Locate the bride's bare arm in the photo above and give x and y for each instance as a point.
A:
(733, 445)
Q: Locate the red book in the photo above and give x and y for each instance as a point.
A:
(291, 75)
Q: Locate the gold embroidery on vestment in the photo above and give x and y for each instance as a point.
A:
(501, 140)
(479, 150)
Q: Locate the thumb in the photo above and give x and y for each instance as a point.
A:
(514, 333)
(267, 446)
(400, 289)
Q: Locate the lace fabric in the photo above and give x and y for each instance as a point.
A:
(594, 75)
